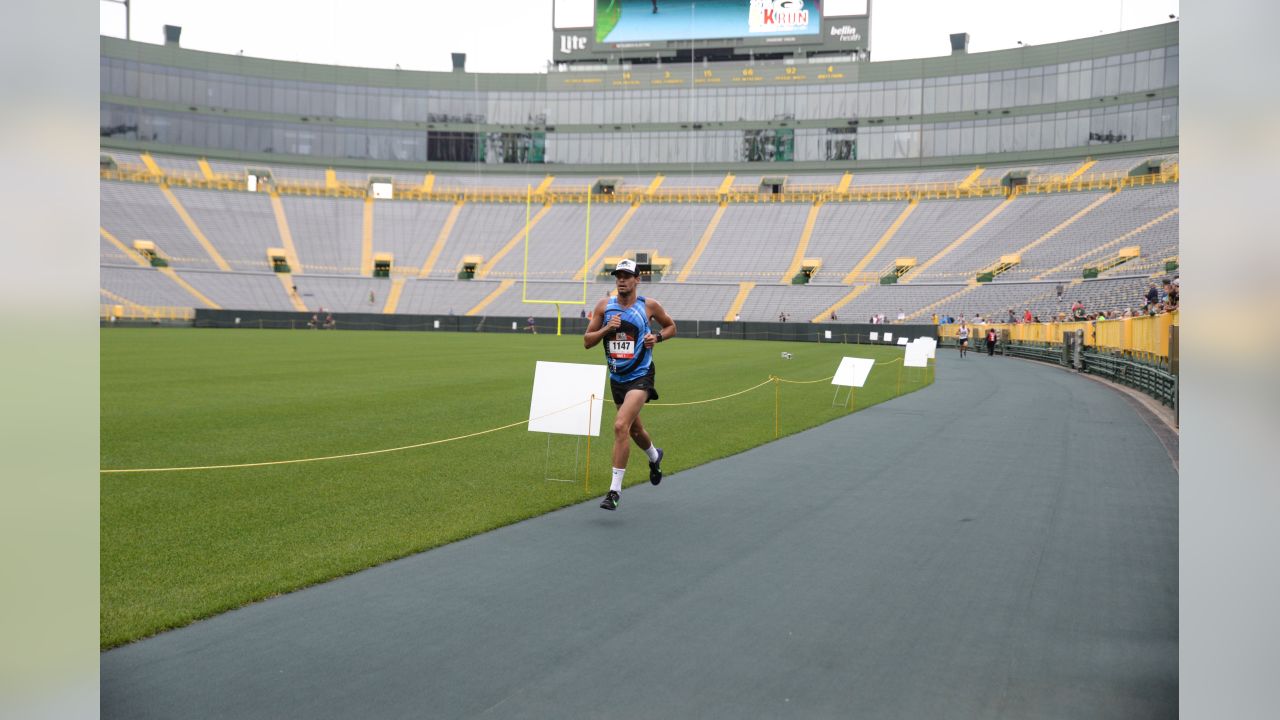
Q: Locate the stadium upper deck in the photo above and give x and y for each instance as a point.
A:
(1111, 94)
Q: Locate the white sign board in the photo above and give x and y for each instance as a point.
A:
(902, 341)
(932, 344)
(561, 395)
(888, 337)
(827, 335)
(875, 336)
(853, 371)
(917, 355)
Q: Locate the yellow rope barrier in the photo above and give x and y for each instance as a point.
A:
(777, 381)
(806, 382)
(701, 402)
(339, 457)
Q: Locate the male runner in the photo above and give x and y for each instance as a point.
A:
(963, 336)
(623, 323)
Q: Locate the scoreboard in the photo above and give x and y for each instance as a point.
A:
(593, 31)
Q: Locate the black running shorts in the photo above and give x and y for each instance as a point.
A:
(645, 382)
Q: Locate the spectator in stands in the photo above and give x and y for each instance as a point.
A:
(1059, 289)
(935, 318)
(991, 342)
(1077, 310)
(624, 325)
(737, 317)
(582, 313)
(1026, 316)
(833, 315)
(1012, 317)
(1153, 295)
(1171, 288)
(901, 315)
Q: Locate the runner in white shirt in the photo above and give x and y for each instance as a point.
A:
(963, 336)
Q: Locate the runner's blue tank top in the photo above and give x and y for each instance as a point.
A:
(624, 350)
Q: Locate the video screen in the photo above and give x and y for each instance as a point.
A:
(624, 21)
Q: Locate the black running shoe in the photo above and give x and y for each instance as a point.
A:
(610, 501)
(655, 469)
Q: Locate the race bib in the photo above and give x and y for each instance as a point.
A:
(622, 347)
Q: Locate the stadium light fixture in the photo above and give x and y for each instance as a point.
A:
(127, 23)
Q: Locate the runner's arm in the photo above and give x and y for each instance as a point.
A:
(668, 330)
(597, 329)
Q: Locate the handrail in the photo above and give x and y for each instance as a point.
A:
(1146, 336)
(1114, 180)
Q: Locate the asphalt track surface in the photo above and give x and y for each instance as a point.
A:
(1002, 544)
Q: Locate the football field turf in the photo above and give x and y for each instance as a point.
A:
(181, 545)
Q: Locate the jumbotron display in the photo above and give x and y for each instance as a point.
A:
(621, 21)
(612, 30)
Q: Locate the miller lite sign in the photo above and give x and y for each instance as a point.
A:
(771, 16)
(570, 43)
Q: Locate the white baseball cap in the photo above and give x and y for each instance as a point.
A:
(626, 266)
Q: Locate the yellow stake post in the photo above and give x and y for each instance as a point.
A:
(777, 403)
(586, 478)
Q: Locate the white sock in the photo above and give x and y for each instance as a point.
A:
(652, 452)
(616, 485)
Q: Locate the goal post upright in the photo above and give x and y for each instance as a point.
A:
(586, 254)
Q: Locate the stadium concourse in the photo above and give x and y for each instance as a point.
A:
(1002, 543)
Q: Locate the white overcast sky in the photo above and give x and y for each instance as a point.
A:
(515, 35)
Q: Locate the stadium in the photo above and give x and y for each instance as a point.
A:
(324, 289)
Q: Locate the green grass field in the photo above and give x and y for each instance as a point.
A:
(179, 546)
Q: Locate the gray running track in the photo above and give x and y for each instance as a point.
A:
(1002, 544)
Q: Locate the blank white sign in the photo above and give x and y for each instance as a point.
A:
(888, 337)
(561, 394)
(827, 335)
(853, 371)
(902, 341)
(875, 336)
(931, 344)
(917, 355)
(838, 8)
(575, 13)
